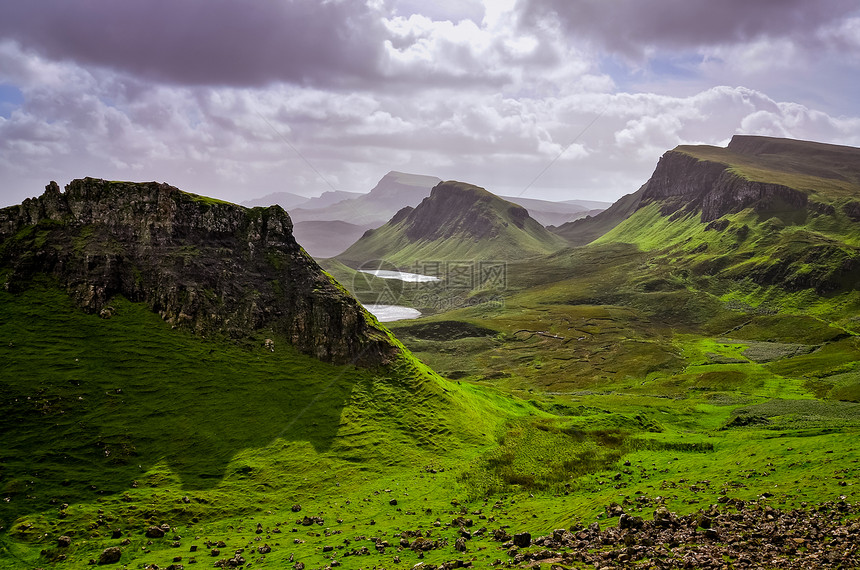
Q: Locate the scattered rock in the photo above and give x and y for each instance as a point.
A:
(522, 539)
(110, 555)
(499, 535)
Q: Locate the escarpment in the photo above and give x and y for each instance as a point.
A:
(683, 181)
(202, 264)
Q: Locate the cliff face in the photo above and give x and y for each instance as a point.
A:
(202, 264)
(684, 181)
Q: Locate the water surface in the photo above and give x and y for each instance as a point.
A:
(401, 275)
(390, 313)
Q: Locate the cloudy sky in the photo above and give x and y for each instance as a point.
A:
(552, 99)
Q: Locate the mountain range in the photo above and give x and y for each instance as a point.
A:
(674, 382)
(330, 223)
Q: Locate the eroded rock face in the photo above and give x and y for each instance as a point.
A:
(202, 264)
(713, 188)
(466, 209)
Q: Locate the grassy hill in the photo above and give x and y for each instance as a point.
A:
(458, 221)
(123, 423)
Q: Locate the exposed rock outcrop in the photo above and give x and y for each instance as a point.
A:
(775, 177)
(202, 264)
(684, 181)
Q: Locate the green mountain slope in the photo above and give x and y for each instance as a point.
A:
(715, 311)
(648, 371)
(125, 403)
(773, 177)
(124, 423)
(457, 221)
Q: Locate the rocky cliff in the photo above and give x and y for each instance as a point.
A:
(774, 177)
(202, 264)
(713, 187)
(465, 210)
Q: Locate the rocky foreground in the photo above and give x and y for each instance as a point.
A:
(732, 536)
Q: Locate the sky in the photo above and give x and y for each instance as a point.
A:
(551, 99)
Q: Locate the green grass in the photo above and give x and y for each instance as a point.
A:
(214, 436)
(127, 415)
(667, 363)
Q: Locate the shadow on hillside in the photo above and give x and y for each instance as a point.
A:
(88, 406)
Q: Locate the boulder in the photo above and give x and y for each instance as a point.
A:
(522, 539)
(110, 555)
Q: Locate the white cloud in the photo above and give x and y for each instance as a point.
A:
(463, 92)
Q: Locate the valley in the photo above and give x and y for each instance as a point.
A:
(672, 382)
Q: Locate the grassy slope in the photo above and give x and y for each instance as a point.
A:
(654, 332)
(389, 243)
(583, 231)
(214, 438)
(127, 416)
(655, 380)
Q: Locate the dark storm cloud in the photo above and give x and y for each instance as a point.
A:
(206, 42)
(630, 27)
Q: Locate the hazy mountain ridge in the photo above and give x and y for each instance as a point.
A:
(551, 213)
(393, 191)
(202, 264)
(286, 200)
(327, 238)
(320, 222)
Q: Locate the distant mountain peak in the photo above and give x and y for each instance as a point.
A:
(409, 179)
(457, 221)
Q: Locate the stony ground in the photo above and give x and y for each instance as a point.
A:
(734, 535)
(730, 536)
